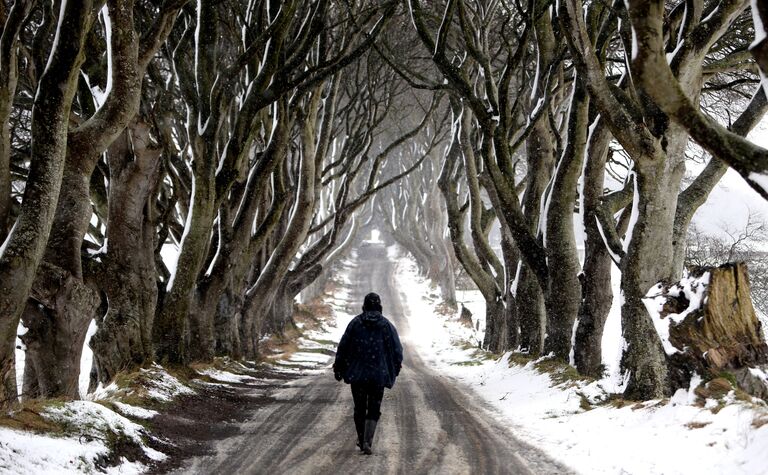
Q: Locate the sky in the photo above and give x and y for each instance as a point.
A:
(732, 199)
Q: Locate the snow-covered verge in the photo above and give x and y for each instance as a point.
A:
(700, 430)
(75, 437)
(100, 434)
(111, 430)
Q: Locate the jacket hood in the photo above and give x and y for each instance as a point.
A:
(371, 316)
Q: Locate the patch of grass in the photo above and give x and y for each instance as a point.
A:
(617, 400)
(28, 416)
(484, 355)
(145, 423)
(119, 446)
(477, 352)
(133, 386)
(332, 285)
(560, 372)
(313, 313)
(520, 359)
(584, 403)
(729, 377)
(223, 363)
(468, 363)
(185, 374)
(719, 407)
(697, 425)
(742, 396)
(32, 416)
(468, 345)
(285, 346)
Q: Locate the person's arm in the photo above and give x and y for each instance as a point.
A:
(397, 348)
(341, 362)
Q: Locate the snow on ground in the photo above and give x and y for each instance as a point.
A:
(225, 376)
(134, 411)
(25, 452)
(90, 430)
(569, 421)
(94, 420)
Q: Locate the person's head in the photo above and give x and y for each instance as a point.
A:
(372, 302)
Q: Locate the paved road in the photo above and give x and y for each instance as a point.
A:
(430, 424)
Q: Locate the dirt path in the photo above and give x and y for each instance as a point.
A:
(429, 423)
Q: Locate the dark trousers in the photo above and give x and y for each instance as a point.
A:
(367, 399)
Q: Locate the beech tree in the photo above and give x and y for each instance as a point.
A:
(23, 248)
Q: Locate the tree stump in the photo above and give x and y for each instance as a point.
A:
(712, 327)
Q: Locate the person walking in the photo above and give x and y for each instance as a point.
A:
(369, 358)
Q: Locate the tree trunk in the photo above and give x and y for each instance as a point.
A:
(496, 332)
(564, 293)
(62, 255)
(484, 281)
(30, 388)
(57, 318)
(261, 295)
(177, 325)
(760, 48)
(532, 315)
(227, 324)
(124, 336)
(173, 322)
(541, 159)
(23, 249)
(596, 273)
(443, 254)
(512, 315)
(648, 260)
(281, 314)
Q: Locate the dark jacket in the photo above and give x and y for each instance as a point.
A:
(370, 351)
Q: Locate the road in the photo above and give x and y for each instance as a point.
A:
(429, 423)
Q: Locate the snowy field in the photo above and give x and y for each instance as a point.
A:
(673, 436)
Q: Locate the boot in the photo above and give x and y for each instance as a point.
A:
(360, 426)
(370, 429)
